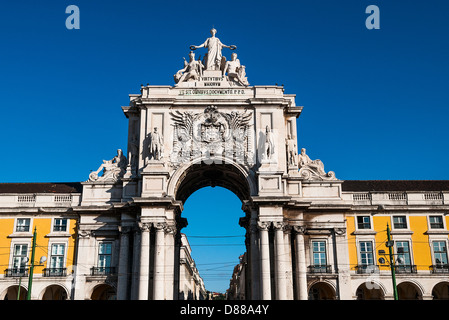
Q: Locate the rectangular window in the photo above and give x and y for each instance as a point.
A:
(436, 222)
(399, 222)
(403, 259)
(23, 225)
(366, 253)
(363, 222)
(319, 256)
(440, 252)
(104, 257)
(57, 258)
(60, 225)
(18, 262)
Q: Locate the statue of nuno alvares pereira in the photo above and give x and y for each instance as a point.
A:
(213, 57)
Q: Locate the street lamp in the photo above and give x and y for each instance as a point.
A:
(389, 244)
(32, 265)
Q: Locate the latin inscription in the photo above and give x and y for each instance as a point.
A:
(191, 92)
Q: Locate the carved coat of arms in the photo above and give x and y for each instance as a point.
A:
(211, 133)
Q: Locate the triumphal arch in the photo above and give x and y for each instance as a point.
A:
(212, 128)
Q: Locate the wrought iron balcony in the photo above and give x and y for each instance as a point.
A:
(439, 268)
(405, 268)
(320, 269)
(367, 268)
(16, 272)
(54, 272)
(102, 271)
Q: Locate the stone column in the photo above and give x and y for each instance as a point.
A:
(135, 266)
(144, 260)
(84, 263)
(281, 288)
(301, 269)
(122, 279)
(169, 264)
(265, 260)
(255, 270)
(159, 262)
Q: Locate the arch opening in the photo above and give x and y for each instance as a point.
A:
(321, 291)
(216, 239)
(441, 291)
(370, 291)
(54, 292)
(199, 175)
(13, 293)
(409, 291)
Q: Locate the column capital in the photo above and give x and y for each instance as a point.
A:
(124, 230)
(160, 226)
(279, 225)
(85, 233)
(340, 231)
(299, 229)
(263, 225)
(144, 226)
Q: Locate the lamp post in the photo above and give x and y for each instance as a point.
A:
(32, 265)
(30, 277)
(389, 244)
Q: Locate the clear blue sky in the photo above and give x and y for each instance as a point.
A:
(375, 101)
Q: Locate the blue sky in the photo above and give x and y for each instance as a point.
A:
(375, 101)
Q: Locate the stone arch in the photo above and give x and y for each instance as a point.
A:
(321, 290)
(409, 290)
(370, 291)
(441, 291)
(54, 292)
(218, 171)
(11, 292)
(103, 292)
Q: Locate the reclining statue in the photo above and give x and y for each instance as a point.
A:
(313, 169)
(112, 169)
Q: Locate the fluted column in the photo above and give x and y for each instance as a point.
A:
(144, 260)
(265, 260)
(159, 265)
(281, 288)
(301, 269)
(122, 279)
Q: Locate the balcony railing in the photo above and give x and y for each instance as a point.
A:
(54, 272)
(16, 272)
(405, 268)
(367, 268)
(439, 268)
(320, 269)
(102, 271)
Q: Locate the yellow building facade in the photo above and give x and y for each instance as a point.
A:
(47, 213)
(416, 216)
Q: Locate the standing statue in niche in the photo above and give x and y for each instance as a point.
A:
(213, 58)
(291, 151)
(112, 169)
(133, 151)
(156, 145)
(269, 143)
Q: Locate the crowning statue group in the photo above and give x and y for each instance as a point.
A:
(213, 60)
